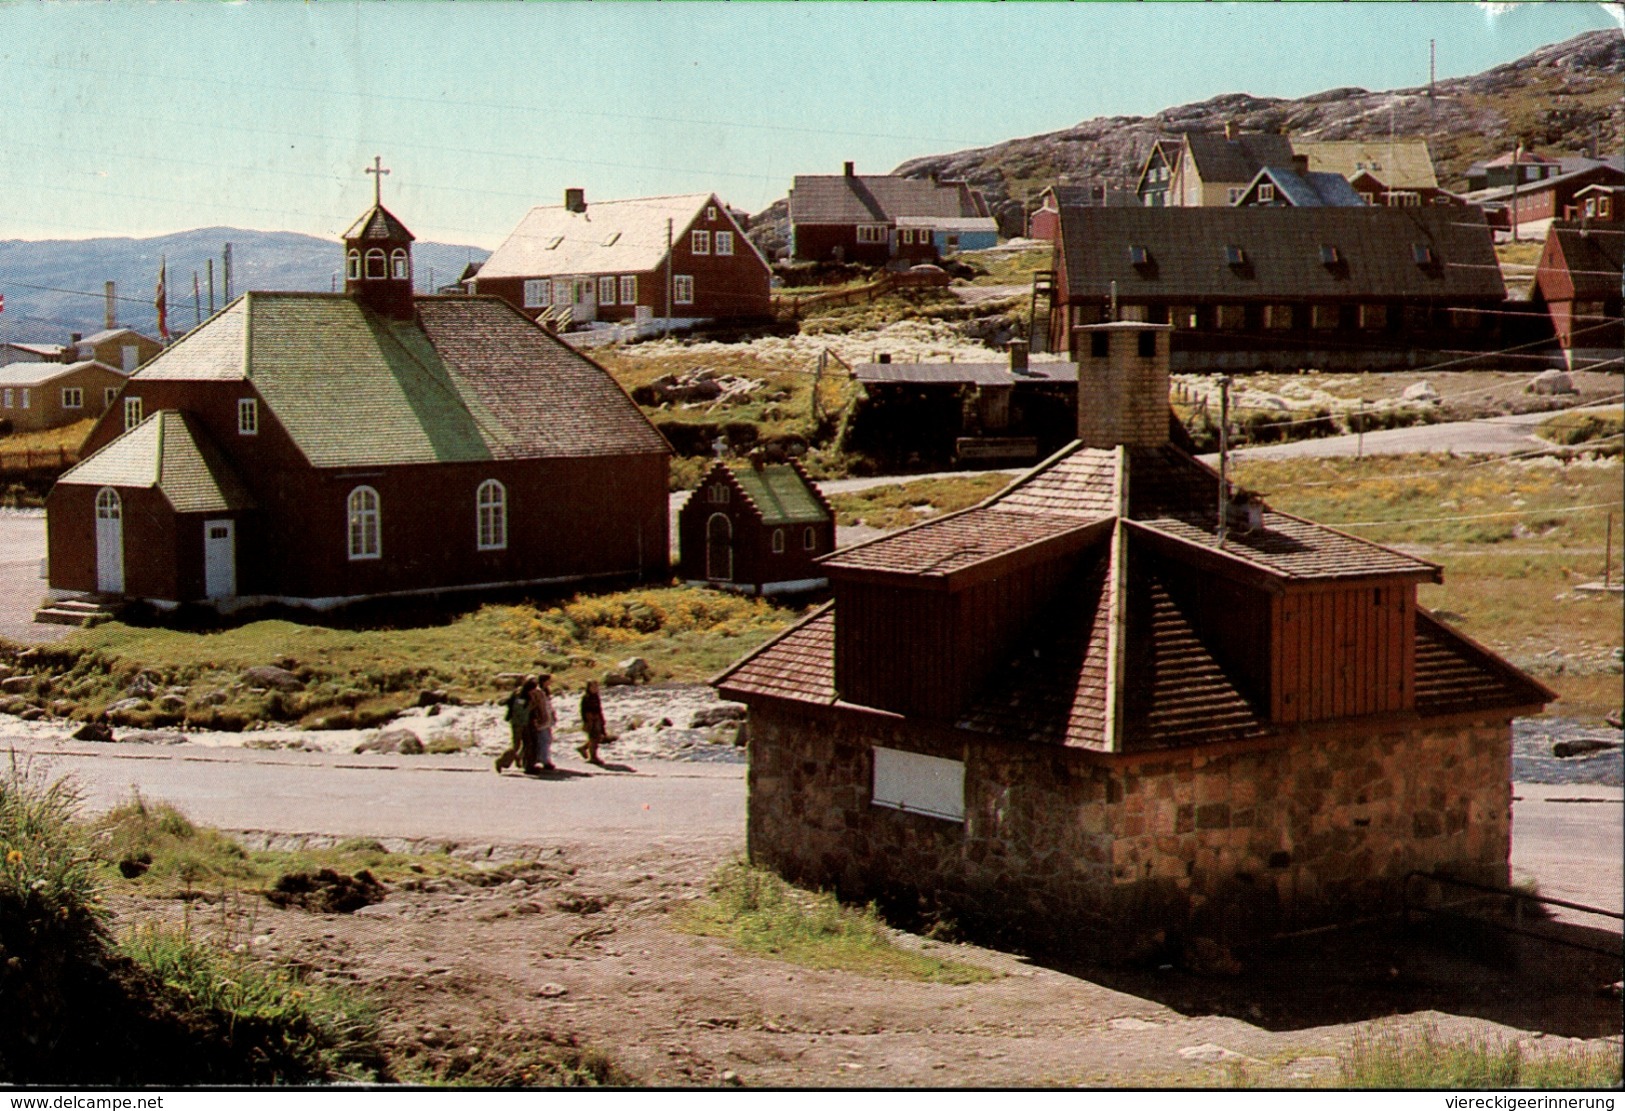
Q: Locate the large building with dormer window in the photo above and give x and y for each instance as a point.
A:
(318, 448)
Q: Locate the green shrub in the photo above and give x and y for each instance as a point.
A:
(48, 885)
(1569, 429)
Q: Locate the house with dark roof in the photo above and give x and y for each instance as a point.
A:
(647, 261)
(1118, 704)
(1044, 220)
(315, 448)
(757, 529)
(1213, 169)
(1341, 288)
(1298, 187)
(1578, 281)
(1157, 172)
(1513, 207)
(873, 219)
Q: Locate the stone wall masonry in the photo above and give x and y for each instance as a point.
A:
(1060, 848)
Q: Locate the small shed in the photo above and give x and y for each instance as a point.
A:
(756, 529)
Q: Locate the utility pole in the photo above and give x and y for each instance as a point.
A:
(197, 301)
(226, 265)
(211, 285)
(1359, 450)
(110, 304)
(670, 280)
(1224, 457)
(1608, 552)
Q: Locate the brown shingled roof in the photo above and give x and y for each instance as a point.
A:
(798, 665)
(1454, 674)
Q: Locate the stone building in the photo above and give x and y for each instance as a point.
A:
(1088, 711)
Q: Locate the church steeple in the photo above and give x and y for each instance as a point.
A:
(378, 256)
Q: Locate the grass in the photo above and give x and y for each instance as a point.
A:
(301, 1030)
(1422, 1059)
(68, 436)
(1006, 267)
(1583, 428)
(358, 677)
(1508, 579)
(760, 913)
(156, 850)
(899, 505)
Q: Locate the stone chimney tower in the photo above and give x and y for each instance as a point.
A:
(1123, 384)
(378, 259)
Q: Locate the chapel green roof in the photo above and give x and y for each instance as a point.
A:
(781, 494)
(172, 453)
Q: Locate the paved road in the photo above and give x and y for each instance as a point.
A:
(1567, 838)
(1489, 436)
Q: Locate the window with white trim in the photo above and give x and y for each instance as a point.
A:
(7, 399)
(352, 265)
(907, 237)
(682, 288)
(918, 784)
(109, 395)
(699, 243)
(538, 293)
(1233, 194)
(778, 541)
(248, 416)
(400, 266)
(26, 394)
(809, 538)
(725, 242)
(132, 412)
(718, 494)
(362, 511)
(871, 233)
(606, 291)
(561, 291)
(1266, 191)
(710, 212)
(629, 289)
(492, 511)
(377, 264)
(73, 397)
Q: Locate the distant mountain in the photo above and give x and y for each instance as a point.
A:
(1560, 99)
(55, 287)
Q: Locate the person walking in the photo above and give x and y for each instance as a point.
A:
(592, 723)
(519, 715)
(542, 721)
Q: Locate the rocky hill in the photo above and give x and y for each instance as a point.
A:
(55, 287)
(1560, 99)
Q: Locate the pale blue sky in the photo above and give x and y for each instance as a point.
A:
(139, 118)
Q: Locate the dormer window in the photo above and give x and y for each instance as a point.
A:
(1266, 192)
(711, 212)
(553, 244)
(610, 239)
(1234, 255)
(1422, 254)
(1330, 255)
(1139, 255)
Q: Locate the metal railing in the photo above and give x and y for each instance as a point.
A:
(1519, 899)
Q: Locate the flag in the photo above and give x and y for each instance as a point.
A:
(2, 302)
(160, 301)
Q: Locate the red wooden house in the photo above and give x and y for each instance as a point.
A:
(873, 219)
(1091, 710)
(319, 448)
(647, 260)
(1578, 281)
(758, 528)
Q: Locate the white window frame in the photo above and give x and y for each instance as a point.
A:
(918, 784)
(725, 243)
(248, 416)
(871, 233)
(8, 398)
(629, 289)
(400, 265)
(711, 212)
(109, 395)
(491, 516)
(364, 523)
(606, 291)
(26, 396)
(538, 293)
(1266, 191)
(352, 266)
(682, 289)
(132, 412)
(376, 254)
(73, 397)
(1234, 193)
(907, 237)
(699, 242)
(717, 494)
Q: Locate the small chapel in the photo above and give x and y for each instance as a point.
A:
(321, 448)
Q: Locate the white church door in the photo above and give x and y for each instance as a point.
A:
(109, 541)
(219, 559)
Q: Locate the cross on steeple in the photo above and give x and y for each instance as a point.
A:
(377, 169)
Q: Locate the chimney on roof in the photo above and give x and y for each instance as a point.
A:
(575, 200)
(883, 357)
(1300, 165)
(1018, 356)
(846, 169)
(1230, 131)
(1122, 384)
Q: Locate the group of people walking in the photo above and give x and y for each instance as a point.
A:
(532, 718)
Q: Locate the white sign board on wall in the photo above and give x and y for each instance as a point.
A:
(919, 784)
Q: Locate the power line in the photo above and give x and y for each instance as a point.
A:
(1612, 505)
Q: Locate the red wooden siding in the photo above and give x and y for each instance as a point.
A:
(1343, 651)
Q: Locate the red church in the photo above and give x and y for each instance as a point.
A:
(320, 448)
